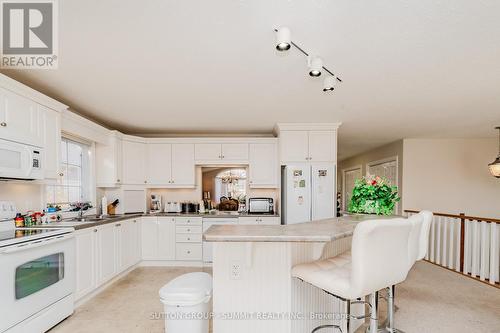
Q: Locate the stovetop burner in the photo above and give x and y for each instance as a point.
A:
(21, 235)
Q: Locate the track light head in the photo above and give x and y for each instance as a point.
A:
(283, 39)
(329, 83)
(315, 66)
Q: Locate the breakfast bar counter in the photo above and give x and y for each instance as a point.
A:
(253, 290)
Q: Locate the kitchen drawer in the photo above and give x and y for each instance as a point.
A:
(188, 238)
(181, 229)
(263, 220)
(188, 221)
(188, 251)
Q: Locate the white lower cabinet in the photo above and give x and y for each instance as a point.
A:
(158, 238)
(86, 265)
(188, 237)
(105, 251)
(261, 220)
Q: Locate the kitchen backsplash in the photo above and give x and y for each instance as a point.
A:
(27, 196)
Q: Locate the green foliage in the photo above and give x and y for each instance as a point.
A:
(373, 195)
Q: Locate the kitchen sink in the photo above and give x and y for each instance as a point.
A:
(86, 219)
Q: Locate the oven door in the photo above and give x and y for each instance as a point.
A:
(35, 275)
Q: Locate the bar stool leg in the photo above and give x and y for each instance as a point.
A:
(373, 313)
(390, 311)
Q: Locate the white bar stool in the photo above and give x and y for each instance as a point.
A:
(378, 259)
(417, 249)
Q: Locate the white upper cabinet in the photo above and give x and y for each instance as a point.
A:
(322, 146)
(134, 155)
(301, 143)
(52, 142)
(207, 151)
(294, 146)
(159, 163)
(20, 119)
(183, 165)
(109, 162)
(234, 151)
(221, 153)
(263, 165)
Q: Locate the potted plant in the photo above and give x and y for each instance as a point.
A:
(373, 195)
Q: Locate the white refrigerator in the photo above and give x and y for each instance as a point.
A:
(308, 192)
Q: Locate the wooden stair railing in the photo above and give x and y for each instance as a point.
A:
(472, 249)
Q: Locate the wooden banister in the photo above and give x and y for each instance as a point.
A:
(461, 216)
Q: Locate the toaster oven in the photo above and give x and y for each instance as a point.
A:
(261, 206)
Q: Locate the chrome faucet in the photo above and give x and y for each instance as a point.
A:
(84, 206)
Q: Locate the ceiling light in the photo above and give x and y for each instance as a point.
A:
(315, 66)
(283, 39)
(329, 83)
(495, 165)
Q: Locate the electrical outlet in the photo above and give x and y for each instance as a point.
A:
(235, 270)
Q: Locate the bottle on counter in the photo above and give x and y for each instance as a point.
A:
(19, 220)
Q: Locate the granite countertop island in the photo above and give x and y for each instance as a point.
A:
(316, 231)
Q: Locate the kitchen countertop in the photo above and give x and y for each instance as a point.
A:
(116, 218)
(316, 231)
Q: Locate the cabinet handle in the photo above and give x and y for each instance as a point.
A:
(61, 174)
(222, 156)
(117, 225)
(145, 181)
(173, 181)
(189, 252)
(95, 230)
(3, 124)
(189, 238)
(117, 180)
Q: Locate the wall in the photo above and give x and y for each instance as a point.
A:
(26, 195)
(451, 176)
(386, 151)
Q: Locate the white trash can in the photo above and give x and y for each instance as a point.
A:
(187, 303)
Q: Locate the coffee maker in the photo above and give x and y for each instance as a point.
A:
(155, 203)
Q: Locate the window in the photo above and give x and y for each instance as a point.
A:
(72, 186)
(231, 183)
(385, 168)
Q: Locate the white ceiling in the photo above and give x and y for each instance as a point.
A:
(410, 68)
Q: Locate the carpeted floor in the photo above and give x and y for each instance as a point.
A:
(432, 299)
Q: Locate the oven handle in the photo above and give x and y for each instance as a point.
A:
(36, 243)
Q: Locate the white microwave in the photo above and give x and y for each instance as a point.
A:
(20, 161)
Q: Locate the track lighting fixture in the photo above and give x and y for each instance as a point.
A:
(283, 39)
(329, 83)
(315, 63)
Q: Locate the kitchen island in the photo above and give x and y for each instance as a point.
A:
(253, 290)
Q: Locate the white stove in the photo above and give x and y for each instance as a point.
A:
(37, 274)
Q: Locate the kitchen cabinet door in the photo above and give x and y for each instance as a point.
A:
(134, 154)
(85, 261)
(208, 152)
(109, 162)
(52, 142)
(234, 152)
(248, 220)
(183, 165)
(263, 165)
(159, 163)
(20, 119)
(322, 146)
(294, 146)
(166, 238)
(149, 238)
(107, 258)
(135, 239)
(122, 253)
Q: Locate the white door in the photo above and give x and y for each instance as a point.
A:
(294, 146)
(349, 178)
(106, 253)
(183, 165)
(322, 146)
(323, 191)
(159, 163)
(134, 154)
(20, 119)
(166, 238)
(263, 165)
(85, 261)
(208, 151)
(52, 142)
(149, 238)
(234, 151)
(297, 194)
